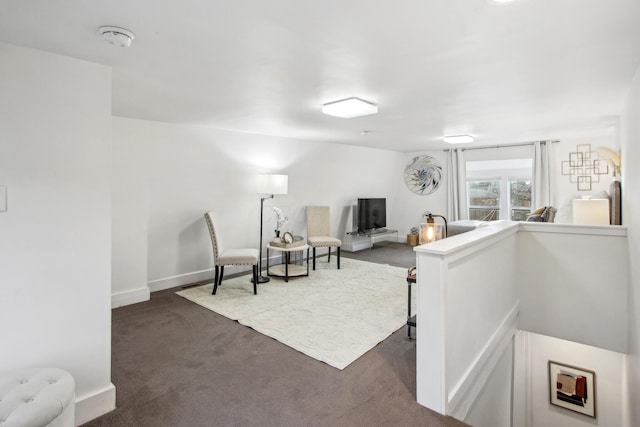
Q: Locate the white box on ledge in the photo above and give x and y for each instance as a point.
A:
(591, 211)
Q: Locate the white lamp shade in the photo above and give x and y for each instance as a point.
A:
(269, 183)
(591, 211)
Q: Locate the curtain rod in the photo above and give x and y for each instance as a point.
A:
(502, 146)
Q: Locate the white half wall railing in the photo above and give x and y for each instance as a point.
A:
(467, 311)
(475, 290)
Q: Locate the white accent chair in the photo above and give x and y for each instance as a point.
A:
(319, 232)
(43, 397)
(223, 257)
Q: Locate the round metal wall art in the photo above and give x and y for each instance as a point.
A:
(422, 175)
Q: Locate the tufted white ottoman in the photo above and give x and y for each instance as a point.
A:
(37, 398)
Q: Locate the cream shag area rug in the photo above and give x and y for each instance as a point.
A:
(334, 316)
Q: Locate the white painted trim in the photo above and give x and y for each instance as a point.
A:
(208, 274)
(183, 279)
(467, 242)
(626, 385)
(528, 381)
(471, 241)
(93, 405)
(520, 380)
(597, 230)
(430, 337)
(133, 296)
(463, 395)
(196, 277)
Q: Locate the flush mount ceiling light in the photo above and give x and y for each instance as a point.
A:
(349, 108)
(458, 139)
(117, 36)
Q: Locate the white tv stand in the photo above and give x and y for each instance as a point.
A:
(357, 240)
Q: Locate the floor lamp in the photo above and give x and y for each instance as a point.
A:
(269, 185)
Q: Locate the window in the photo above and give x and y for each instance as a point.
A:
(499, 189)
(484, 199)
(519, 198)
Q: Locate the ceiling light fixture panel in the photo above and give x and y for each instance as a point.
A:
(458, 139)
(117, 36)
(349, 108)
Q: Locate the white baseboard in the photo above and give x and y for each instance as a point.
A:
(204, 275)
(95, 404)
(466, 392)
(184, 279)
(130, 297)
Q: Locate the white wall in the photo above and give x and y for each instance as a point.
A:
(564, 269)
(129, 216)
(55, 132)
(501, 153)
(409, 206)
(630, 183)
(563, 190)
(490, 408)
(607, 365)
(168, 175)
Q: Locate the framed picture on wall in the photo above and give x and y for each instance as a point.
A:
(572, 388)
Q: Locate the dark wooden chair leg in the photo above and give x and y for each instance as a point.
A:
(221, 275)
(408, 309)
(314, 258)
(215, 280)
(338, 250)
(329, 254)
(255, 279)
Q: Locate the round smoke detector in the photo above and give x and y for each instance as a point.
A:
(117, 36)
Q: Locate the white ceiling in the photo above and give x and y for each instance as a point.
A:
(505, 73)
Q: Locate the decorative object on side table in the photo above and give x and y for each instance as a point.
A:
(287, 240)
(269, 184)
(422, 175)
(280, 220)
(572, 388)
(412, 237)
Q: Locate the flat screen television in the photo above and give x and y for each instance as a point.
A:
(372, 214)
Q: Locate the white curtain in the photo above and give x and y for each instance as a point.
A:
(457, 185)
(541, 171)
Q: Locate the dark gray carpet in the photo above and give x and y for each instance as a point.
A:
(175, 363)
(396, 254)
